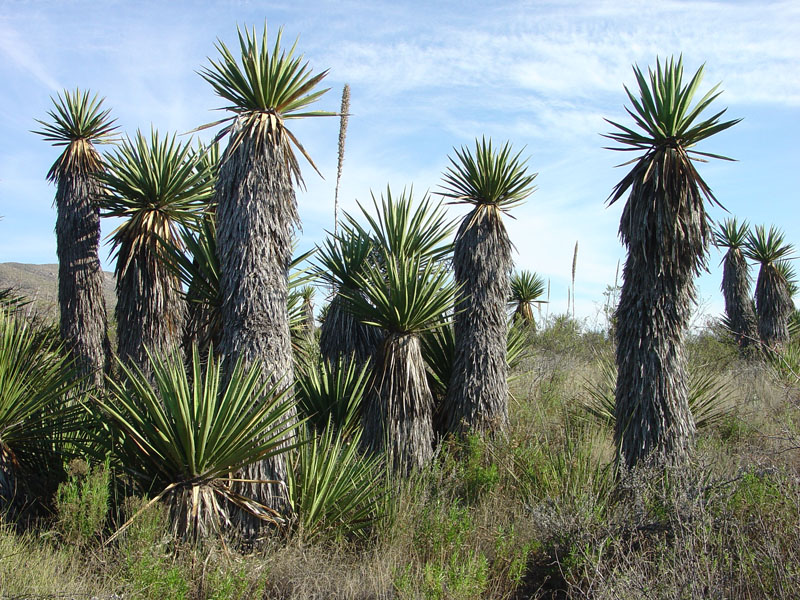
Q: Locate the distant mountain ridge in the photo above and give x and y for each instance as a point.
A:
(39, 283)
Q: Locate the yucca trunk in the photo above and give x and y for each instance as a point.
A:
(83, 322)
(399, 410)
(666, 232)
(477, 397)
(197, 513)
(150, 309)
(342, 334)
(524, 314)
(738, 305)
(255, 220)
(774, 305)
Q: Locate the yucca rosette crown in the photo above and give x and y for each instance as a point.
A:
(155, 184)
(265, 89)
(491, 181)
(77, 122)
(669, 126)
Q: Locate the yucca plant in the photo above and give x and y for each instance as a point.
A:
(194, 261)
(78, 122)
(773, 296)
(38, 422)
(439, 348)
(666, 230)
(332, 394)
(527, 288)
(185, 433)
(257, 208)
(403, 295)
(736, 281)
(307, 294)
(340, 261)
(706, 394)
(334, 490)
(156, 186)
(402, 227)
(491, 182)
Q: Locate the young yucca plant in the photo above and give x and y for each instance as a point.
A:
(527, 288)
(38, 422)
(194, 261)
(78, 122)
(491, 182)
(773, 295)
(333, 489)
(403, 294)
(184, 433)
(156, 185)
(403, 228)
(332, 394)
(666, 231)
(736, 281)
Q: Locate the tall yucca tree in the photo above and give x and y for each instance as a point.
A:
(79, 122)
(491, 182)
(666, 230)
(257, 209)
(773, 296)
(736, 281)
(527, 288)
(156, 186)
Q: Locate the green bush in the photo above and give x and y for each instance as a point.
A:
(147, 550)
(82, 502)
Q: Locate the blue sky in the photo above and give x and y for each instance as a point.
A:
(425, 78)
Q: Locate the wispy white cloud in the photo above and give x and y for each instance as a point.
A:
(17, 51)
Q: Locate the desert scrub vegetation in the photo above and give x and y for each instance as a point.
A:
(536, 512)
(432, 438)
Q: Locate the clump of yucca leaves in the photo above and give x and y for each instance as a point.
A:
(39, 420)
(184, 432)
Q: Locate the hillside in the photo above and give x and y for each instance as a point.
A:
(40, 284)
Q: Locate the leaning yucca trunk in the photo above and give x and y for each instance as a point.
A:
(774, 305)
(150, 309)
(399, 410)
(736, 290)
(256, 214)
(80, 278)
(477, 398)
(343, 335)
(666, 233)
